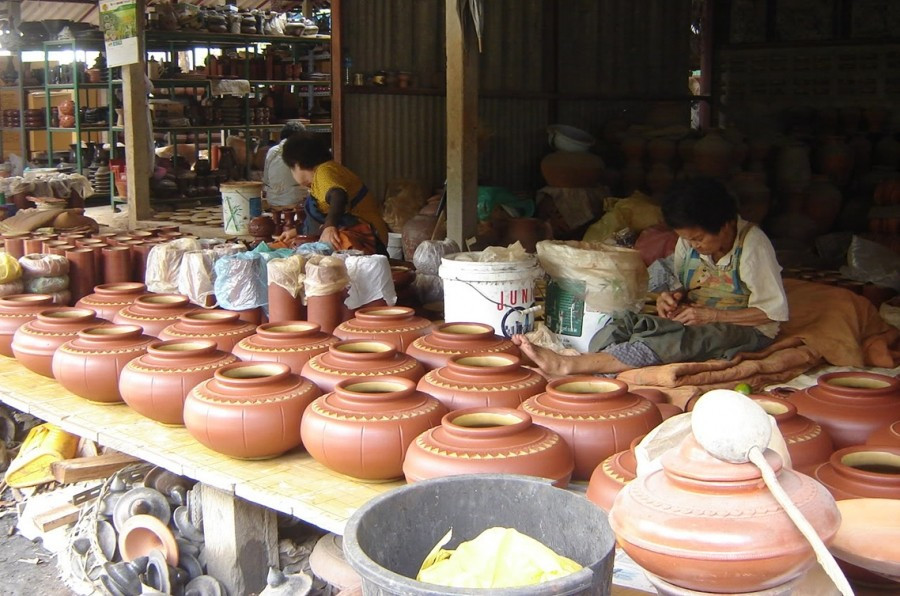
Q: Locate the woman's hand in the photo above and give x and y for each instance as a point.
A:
(286, 236)
(696, 315)
(330, 235)
(667, 303)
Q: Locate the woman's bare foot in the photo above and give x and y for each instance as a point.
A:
(549, 362)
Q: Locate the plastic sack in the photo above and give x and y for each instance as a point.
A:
(164, 264)
(497, 254)
(873, 263)
(325, 275)
(429, 253)
(12, 287)
(10, 269)
(370, 279)
(228, 248)
(40, 265)
(240, 281)
(492, 197)
(403, 199)
(428, 288)
(637, 212)
(46, 285)
(656, 242)
(315, 248)
(288, 273)
(196, 276)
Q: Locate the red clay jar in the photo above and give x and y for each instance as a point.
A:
(489, 441)
(156, 384)
(249, 410)
(82, 272)
(449, 339)
(116, 264)
(396, 324)
(850, 405)
(108, 299)
(326, 311)
(288, 342)
(612, 475)
(888, 436)
(707, 525)
(14, 244)
(89, 365)
(482, 381)
(221, 326)
(140, 251)
(15, 311)
(666, 408)
(365, 426)
(863, 471)
(154, 312)
(596, 417)
(359, 358)
(35, 342)
(808, 444)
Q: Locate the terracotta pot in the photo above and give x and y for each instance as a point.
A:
(253, 316)
(365, 427)
(633, 147)
(482, 381)
(793, 171)
(489, 441)
(416, 230)
(140, 251)
(249, 410)
(612, 475)
(35, 342)
(108, 299)
(888, 435)
(326, 311)
(661, 150)
(823, 203)
(754, 197)
(154, 312)
(61, 249)
(116, 264)
(14, 244)
(284, 306)
(712, 155)
(864, 471)
(836, 160)
(359, 358)
(527, 230)
(156, 384)
(450, 339)
(82, 272)
(665, 407)
(395, 324)
(850, 405)
(15, 311)
(707, 525)
(595, 417)
(141, 534)
(89, 365)
(808, 444)
(659, 178)
(289, 342)
(221, 326)
(33, 245)
(66, 108)
(572, 169)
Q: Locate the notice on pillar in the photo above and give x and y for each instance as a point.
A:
(119, 20)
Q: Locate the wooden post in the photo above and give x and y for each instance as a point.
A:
(462, 125)
(707, 64)
(139, 165)
(241, 540)
(337, 83)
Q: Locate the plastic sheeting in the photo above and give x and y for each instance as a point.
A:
(370, 279)
(164, 264)
(288, 273)
(10, 269)
(429, 253)
(325, 275)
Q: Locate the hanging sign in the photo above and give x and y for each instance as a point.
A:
(118, 21)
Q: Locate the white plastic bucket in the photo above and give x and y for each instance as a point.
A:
(395, 246)
(498, 294)
(241, 202)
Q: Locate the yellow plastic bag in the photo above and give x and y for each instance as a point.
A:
(44, 445)
(496, 558)
(637, 212)
(10, 270)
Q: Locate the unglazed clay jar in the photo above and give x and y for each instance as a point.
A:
(665, 407)
(808, 444)
(595, 417)
(154, 312)
(862, 471)
(156, 384)
(365, 426)
(612, 475)
(482, 381)
(289, 342)
(449, 339)
(489, 441)
(35, 342)
(221, 326)
(89, 365)
(888, 435)
(15, 311)
(359, 358)
(850, 405)
(249, 410)
(108, 299)
(704, 524)
(396, 324)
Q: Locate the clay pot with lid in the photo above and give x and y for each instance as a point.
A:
(221, 326)
(154, 312)
(365, 426)
(482, 381)
(108, 299)
(156, 384)
(15, 311)
(35, 342)
(396, 324)
(450, 339)
(249, 410)
(359, 358)
(863, 471)
(596, 417)
(707, 525)
(612, 475)
(808, 444)
(289, 342)
(89, 365)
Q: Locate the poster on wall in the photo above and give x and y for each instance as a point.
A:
(118, 21)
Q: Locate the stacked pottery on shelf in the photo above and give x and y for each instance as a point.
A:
(356, 358)
(395, 324)
(221, 326)
(154, 312)
(289, 342)
(108, 299)
(15, 311)
(35, 342)
(451, 339)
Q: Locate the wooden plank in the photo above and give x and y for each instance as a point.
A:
(137, 131)
(67, 471)
(56, 517)
(337, 85)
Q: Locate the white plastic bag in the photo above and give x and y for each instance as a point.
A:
(164, 263)
(325, 275)
(196, 276)
(429, 253)
(370, 279)
(288, 274)
(240, 282)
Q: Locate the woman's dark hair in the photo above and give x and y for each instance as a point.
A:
(702, 203)
(305, 149)
(291, 128)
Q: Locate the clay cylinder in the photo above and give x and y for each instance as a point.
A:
(60, 249)
(116, 264)
(82, 272)
(283, 306)
(15, 244)
(326, 311)
(33, 245)
(140, 250)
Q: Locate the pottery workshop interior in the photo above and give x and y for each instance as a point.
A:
(438, 297)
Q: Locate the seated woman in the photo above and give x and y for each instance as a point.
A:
(731, 297)
(339, 207)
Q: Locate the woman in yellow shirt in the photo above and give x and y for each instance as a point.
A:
(339, 208)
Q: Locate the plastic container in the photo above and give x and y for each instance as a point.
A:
(568, 138)
(241, 202)
(44, 445)
(386, 540)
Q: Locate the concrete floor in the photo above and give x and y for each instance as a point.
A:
(19, 574)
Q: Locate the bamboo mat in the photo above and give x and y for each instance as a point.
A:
(294, 483)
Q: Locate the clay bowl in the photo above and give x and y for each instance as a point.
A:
(142, 534)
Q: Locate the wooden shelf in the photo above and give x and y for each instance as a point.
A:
(216, 127)
(536, 95)
(165, 39)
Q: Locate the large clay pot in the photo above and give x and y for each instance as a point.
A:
(793, 172)
(395, 324)
(888, 435)
(359, 358)
(450, 339)
(612, 475)
(89, 365)
(659, 178)
(221, 326)
(864, 471)
(836, 160)
(572, 169)
(823, 203)
(15, 311)
(595, 417)
(116, 264)
(850, 405)
(808, 444)
(108, 299)
(156, 384)
(707, 525)
(82, 272)
(154, 312)
(249, 410)
(528, 231)
(712, 155)
(35, 342)
(416, 230)
(482, 381)
(365, 426)
(489, 441)
(754, 197)
(288, 342)
(661, 150)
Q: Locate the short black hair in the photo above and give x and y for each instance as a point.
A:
(291, 128)
(305, 149)
(702, 203)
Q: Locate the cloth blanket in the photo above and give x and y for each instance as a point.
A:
(827, 324)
